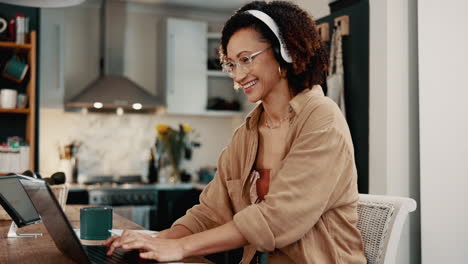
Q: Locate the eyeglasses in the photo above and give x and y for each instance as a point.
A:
(244, 64)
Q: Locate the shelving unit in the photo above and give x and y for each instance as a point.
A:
(15, 111)
(13, 45)
(30, 127)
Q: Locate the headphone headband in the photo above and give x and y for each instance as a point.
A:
(267, 20)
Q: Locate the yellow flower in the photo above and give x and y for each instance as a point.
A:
(162, 128)
(187, 128)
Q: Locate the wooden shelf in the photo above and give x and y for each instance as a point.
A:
(29, 134)
(13, 45)
(15, 110)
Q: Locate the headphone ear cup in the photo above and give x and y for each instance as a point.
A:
(277, 52)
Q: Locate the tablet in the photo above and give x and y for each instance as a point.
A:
(16, 202)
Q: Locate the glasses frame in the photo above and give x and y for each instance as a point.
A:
(237, 65)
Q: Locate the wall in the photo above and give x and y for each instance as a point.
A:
(317, 8)
(112, 145)
(393, 110)
(393, 120)
(443, 57)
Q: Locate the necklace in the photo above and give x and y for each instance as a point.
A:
(271, 126)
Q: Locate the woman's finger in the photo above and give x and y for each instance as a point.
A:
(148, 255)
(136, 244)
(113, 246)
(126, 232)
(109, 240)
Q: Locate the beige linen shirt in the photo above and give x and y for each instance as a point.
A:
(310, 212)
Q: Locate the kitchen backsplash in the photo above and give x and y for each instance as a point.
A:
(119, 145)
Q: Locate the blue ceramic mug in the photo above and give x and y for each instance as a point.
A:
(15, 70)
(95, 223)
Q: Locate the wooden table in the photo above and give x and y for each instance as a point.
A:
(43, 250)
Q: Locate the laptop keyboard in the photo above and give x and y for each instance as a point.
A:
(97, 254)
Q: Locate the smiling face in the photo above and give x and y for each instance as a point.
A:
(263, 77)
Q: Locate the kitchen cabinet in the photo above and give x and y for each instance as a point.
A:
(22, 121)
(52, 66)
(172, 205)
(190, 83)
(185, 71)
(69, 48)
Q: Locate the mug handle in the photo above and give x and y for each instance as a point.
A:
(3, 24)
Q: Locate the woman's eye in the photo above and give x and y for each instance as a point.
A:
(244, 60)
(228, 66)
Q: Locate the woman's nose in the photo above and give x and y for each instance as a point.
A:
(239, 76)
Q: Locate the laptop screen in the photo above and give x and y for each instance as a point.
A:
(54, 219)
(16, 202)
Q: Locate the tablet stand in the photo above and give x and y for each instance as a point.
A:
(12, 232)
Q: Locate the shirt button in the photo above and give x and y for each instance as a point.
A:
(290, 109)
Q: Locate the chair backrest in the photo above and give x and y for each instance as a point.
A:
(381, 220)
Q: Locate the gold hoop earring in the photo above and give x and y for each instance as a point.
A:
(279, 71)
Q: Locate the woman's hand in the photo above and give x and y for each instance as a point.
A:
(149, 247)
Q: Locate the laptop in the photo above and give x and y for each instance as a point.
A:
(60, 228)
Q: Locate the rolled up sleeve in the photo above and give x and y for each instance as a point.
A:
(300, 192)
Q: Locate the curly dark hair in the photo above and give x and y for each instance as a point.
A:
(309, 58)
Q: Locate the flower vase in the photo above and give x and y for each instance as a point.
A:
(168, 172)
(175, 176)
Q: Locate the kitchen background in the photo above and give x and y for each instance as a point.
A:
(71, 38)
(415, 141)
(118, 145)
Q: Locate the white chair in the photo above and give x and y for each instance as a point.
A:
(381, 220)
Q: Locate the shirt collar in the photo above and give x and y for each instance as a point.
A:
(296, 104)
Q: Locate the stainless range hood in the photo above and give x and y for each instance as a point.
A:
(112, 90)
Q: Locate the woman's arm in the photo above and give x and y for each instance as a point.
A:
(177, 231)
(218, 239)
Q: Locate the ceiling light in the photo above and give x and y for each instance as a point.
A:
(137, 106)
(98, 105)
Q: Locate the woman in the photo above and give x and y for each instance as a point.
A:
(287, 183)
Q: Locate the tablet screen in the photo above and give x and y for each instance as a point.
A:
(16, 202)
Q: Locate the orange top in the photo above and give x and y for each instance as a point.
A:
(263, 183)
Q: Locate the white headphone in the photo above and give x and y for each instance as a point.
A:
(267, 20)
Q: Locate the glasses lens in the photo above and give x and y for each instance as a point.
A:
(227, 67)
(245, 64)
